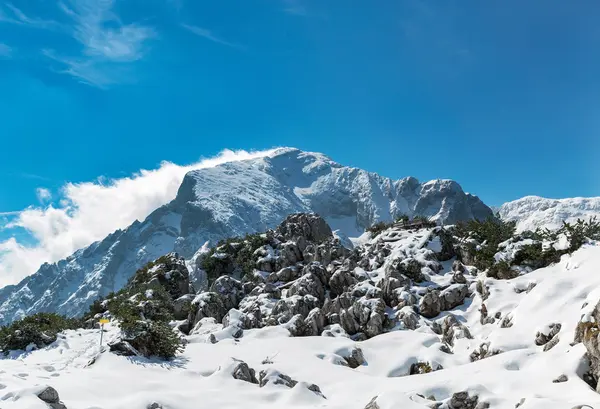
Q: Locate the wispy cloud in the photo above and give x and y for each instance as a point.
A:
(5, 50)
(294, 7)
(31, 176)
(107, 43)
(12, 14)
(209, 35)
(10, 213)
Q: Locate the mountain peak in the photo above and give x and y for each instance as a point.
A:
(233, 199)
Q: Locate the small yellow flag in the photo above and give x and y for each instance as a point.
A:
(104, 321)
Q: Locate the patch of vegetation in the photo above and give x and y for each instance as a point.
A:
(535, 256)
(39, 329)
(143, 311)
(378, 228)
(233, 254)
(481, 239)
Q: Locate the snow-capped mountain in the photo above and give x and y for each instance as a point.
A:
(230, 200)
(531, 212)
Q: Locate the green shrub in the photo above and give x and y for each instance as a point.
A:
(488, 234)
(40, 329)
(239, 252)
(378, 228)
(152, 338)
(534, 256)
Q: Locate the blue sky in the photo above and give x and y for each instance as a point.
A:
(502, 97)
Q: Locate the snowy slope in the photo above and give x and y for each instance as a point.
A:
(531, 212)
(230, 200)
(202, 376)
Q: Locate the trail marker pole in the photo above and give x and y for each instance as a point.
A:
(102, 322)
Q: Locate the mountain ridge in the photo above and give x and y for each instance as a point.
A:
(233, 199)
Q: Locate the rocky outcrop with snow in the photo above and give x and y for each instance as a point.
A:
(532, 212)
(231, 200)
(391, 323)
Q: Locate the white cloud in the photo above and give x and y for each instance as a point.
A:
(203, 32)
(43, 194)
(5, 50)
(16, 16)
(90, 211)
(294, 7)
(107, 43)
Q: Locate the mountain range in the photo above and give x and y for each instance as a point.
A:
(236, 198)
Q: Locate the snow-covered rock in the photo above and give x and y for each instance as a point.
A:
(531, 212)
(231, 200)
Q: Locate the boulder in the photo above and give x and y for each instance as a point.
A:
(341, 281)
(452, 329)
(182, 306)
(462, 400)
(207, 305)
(543, 337)
(230, 290)
(309, 226)
(243, 372)
(315, 322)
(312, 282)
(430, 304)
(50, 396)
(453, 296)
(355, 358)
(274, 377)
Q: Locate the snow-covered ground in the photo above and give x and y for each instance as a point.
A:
(201, 377)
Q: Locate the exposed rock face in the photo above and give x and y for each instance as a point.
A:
(308, 227)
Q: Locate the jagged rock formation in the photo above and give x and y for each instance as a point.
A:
(231, 200)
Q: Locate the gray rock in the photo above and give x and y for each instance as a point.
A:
(207, 305)
(181, 306)
(560, 379)
(372, 404)
(297, 326)
(542, 339)
(452, 329)
(356, 358)
(393, 280)
(462, 400)
(230, 290)
(552, 343)
(312, 282)
(459, 278)
(314, 322)
(430, 304)
(408, 317)
(243, 372)
(453, 296)
(309, 226)
(340, 282)
(50, 396)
